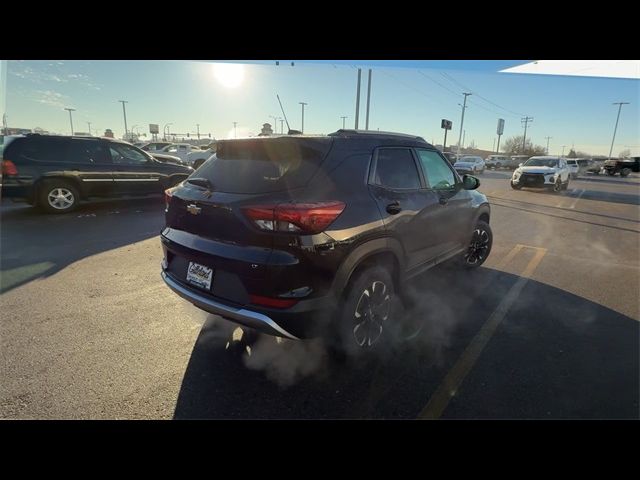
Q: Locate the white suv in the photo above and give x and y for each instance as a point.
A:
(497, 161)
(470, 164)
(542, 172)
(574, 167)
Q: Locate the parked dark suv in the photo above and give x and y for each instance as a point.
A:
(56, 172)
(275, 233)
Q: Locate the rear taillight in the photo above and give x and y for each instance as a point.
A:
(9, 168)
(272, 302)
(168, 194)
(307, 218)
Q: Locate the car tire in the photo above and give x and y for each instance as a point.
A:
(625, 172)
(359, 318)
(565, 185)
(58, 196)
(479, 246)
(497, 166)
(611, 172)
(515, 187)
(557, 186)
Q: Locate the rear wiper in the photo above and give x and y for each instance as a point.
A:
(201, 182)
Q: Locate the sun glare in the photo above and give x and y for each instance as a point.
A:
(229, 75)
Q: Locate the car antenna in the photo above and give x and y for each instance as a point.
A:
(283, 114)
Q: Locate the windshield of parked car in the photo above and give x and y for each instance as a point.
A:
(541, 162)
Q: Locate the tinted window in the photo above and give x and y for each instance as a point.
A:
(395, 168)
(261, 166)
(124, 154)
(39, 149)
(439, 175)
(86, 152)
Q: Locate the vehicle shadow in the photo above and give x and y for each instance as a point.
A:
(556, 355)
(35, 245)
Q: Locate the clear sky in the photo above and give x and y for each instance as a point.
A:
(404, 97)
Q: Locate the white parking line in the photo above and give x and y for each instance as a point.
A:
(573, 205)
(454, 378)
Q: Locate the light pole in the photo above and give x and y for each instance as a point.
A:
(198, 127)
(70, 119)
(235, 131)
(124, 111)
(464, 107)
(616, 127)
(548, 138)
(131, 136)
(164, 130)
(526, 121)
(303, 104)
(358, 97)
(366, 123)
(343, 119)
(562, 150)
(89, 123)
(281, 125)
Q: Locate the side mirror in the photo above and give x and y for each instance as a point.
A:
(470, 182)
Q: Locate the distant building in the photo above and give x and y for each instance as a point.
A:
(266, 130)
(108, 133)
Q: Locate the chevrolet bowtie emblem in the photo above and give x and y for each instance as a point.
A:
(194, 209)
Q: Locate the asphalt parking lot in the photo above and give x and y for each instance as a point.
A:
(548, 328)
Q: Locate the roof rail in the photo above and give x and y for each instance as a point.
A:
(348, 131)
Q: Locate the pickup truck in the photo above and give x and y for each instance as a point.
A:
(622, 166)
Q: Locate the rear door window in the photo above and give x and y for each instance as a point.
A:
(264, 165)
(86, 152)
(396, 169)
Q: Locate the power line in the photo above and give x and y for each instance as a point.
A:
(451, 79)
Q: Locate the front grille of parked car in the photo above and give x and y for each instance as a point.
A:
(532, 179)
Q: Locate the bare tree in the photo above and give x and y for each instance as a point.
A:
(624, 153)
(513, 146)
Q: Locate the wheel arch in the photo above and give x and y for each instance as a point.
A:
(53, 177)
(386, 251)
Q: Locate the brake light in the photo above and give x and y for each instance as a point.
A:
(168, 194)
(272, 302)
(305, 218)
(9, 168)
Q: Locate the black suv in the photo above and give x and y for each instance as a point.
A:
(275, 233)
(55, 172)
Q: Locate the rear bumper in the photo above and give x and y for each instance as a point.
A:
(249, 318)
(306, 319)
(17, 191)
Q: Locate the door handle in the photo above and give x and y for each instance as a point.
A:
(394, 208)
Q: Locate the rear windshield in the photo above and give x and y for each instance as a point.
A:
(264, 165)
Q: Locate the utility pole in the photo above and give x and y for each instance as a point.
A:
(124, 111)
(281, 126)
(235, 131)
(343, 119)
(303, 104)
(198, 128)
(358, 98)
(464, 134)
(548, 138)
(562, 150)
(366, 125)
(464, 107)
(525, 120)
(89, 123)
(70, 119)
(616, 127)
